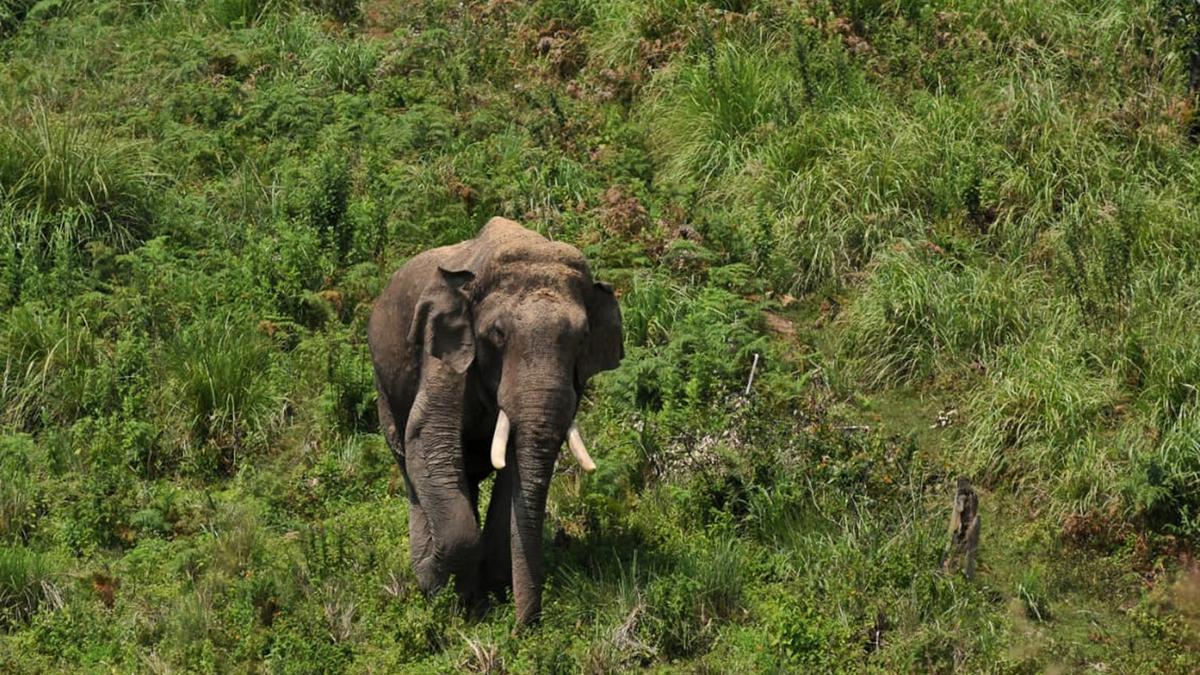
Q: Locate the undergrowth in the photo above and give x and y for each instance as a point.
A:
(861, 248)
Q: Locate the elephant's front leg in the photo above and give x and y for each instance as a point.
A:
(436, 471)
(496, 569)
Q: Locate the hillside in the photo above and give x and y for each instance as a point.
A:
(862, 247)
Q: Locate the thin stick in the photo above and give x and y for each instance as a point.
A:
(753, 368)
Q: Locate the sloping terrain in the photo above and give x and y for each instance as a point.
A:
(959, 237)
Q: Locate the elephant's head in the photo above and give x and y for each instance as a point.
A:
(527, 318)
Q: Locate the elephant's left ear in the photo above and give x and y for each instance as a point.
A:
(604, 348)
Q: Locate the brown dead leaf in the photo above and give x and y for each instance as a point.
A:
(780, 325)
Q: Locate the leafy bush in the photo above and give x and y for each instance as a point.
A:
(799, 635)
(697, 346)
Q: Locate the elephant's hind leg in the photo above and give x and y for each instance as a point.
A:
(388, 425)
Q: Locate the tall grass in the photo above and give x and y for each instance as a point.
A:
(239, 13)
(1164, 348)
(26, 585)
(921, 313)
(708, 115)
(52, 367)
(1041, 397)
(20, 490)
(220, 380)
(93, 184)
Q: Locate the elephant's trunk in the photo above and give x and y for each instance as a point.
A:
(536, 448)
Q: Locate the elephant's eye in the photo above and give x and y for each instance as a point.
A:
(497, 335)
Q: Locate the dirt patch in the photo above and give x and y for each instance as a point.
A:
(380, 18)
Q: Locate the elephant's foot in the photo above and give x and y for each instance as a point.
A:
(431, 576)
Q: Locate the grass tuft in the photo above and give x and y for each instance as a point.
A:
(220, 372)
(922, 313)
(26, 585)
(87, 184)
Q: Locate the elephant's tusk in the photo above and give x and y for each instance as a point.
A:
(500, 440)
(575, 441)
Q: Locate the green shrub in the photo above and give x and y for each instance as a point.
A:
(799, 635)
(674, 621)
(322, 201)
(347, 398)
(698, 346)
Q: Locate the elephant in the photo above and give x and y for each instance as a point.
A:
(481, 352)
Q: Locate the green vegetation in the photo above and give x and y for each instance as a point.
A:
(961, 237)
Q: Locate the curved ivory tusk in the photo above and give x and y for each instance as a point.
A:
(500, 440)
(575, 441)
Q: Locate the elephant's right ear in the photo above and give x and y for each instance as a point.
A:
(604, 348)
(442, 322)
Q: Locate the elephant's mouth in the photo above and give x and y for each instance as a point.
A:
(574, 441)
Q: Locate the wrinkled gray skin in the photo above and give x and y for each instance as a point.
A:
(508, 320)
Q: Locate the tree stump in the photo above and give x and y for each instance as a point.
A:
(964, 530)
